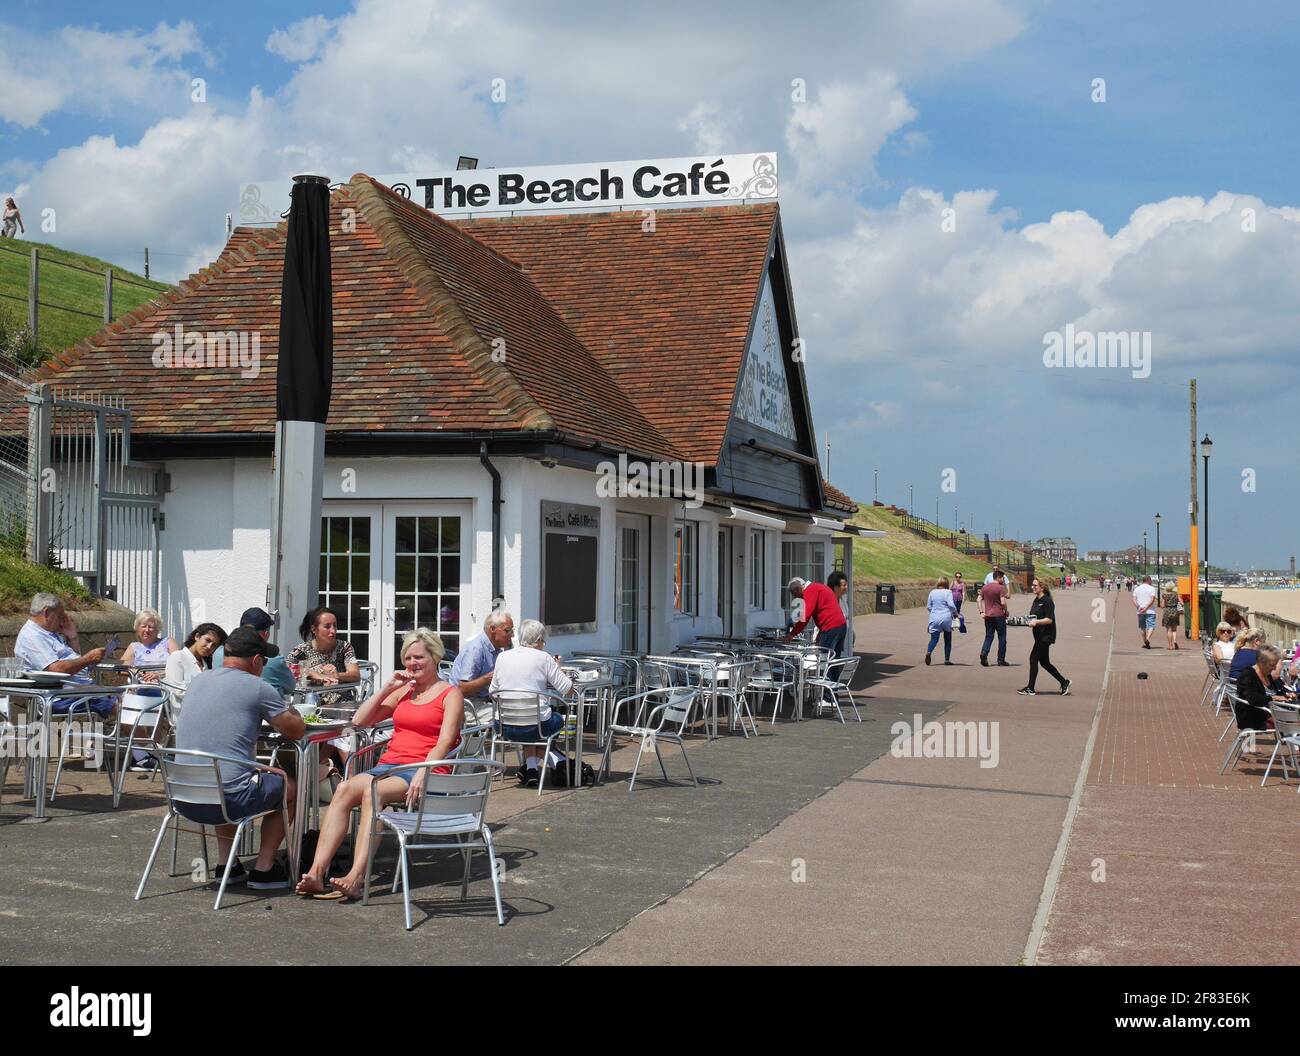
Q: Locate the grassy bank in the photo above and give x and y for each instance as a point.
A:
(19, 580)
(902, 557)
(70, 289)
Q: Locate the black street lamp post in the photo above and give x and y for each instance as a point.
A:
(1206, 444)
(1157, 551)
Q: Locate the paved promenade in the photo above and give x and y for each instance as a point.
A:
(812, 844)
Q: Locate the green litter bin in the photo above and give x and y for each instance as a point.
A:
(1211, 612)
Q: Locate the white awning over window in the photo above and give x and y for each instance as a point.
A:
(739, 513)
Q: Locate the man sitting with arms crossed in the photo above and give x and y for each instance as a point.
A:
(223, 714)
(821, 605)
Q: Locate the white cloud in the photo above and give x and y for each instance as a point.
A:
(836, 137)
(302, 40)
(90, 71)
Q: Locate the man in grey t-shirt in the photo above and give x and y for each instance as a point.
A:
(223, 713)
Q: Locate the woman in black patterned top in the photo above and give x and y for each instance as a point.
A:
(326, 660)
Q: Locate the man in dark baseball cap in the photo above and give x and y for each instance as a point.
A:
(260, 622)
(246, 641)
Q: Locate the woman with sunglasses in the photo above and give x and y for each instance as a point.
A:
(1043, 621)
(1224, 646)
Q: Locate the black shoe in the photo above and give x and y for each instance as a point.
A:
(238, 874)
(948, 663)
(530, 776)
(1003, 663)
(274, 879)
(927, 659)
(1065, 689)
(984, 660)
(1027, 692)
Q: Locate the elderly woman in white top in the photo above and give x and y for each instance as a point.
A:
(151, 645)
(528, 668)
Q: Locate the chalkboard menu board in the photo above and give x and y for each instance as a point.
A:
(570, 566)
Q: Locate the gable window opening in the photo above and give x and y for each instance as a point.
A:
(686, 537)
(757, 569)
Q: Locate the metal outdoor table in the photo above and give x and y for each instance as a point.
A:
(706, 669)
(307, 802)
(112, 667)
(37, 771)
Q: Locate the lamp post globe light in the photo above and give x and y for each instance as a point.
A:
(1157, 551)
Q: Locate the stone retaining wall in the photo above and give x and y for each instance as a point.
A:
(95, 627)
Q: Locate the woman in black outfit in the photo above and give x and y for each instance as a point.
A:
(1255, 688)
(1043, 622)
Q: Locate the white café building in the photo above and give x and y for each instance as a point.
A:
(489, 373)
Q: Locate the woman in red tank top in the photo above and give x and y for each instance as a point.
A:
(427, 715)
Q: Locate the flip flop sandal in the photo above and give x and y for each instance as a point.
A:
(328, 896)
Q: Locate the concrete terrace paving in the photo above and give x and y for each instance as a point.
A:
(812, 844)
(580, 864)
(910, 860)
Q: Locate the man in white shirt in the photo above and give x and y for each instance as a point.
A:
(1144, 600)
(528, 668)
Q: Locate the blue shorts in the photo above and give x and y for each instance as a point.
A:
(386, 770)
(1146, 621)
(262, 792)
(101, 706)
(551, 726)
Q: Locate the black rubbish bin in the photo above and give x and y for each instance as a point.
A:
(885, 597)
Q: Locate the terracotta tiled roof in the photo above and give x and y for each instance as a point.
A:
(586, 324)
(667, 311)
(836, 499)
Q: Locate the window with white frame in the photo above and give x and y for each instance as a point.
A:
(686, 578)
(757, 569)
(805, 558)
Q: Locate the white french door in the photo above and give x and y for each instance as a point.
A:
(395, 566)
(632, 582)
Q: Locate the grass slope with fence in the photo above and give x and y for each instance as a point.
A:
(903, 557)
(70, 297)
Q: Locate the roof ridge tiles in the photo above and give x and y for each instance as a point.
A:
(427, 214)
(444, 307)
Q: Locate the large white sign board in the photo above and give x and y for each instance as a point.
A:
(600, 185)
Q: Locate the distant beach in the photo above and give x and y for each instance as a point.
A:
(1283, 602)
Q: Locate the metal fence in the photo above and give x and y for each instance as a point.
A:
(70, 494)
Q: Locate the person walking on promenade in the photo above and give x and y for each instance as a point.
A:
(1172, 615)
(1144, 600)
(958, 596)
(942, 613)
(993, 607)
(1043, 621)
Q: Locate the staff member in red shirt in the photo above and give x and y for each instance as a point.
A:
(821, 605)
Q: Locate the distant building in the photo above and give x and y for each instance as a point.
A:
(1062, 549)
(1134, 556)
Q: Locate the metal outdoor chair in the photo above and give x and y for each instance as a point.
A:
(523, 709)
(774, 676)
(1245, 737)
(1212, 677)
(730, 687)
(194, 778)
(664, 722)
(454, 807)
(835, 683)
(146, 714)
(1286, 723)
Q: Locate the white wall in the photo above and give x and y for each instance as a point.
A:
(216, 546)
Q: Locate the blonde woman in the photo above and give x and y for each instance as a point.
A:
(151, 645)
(1223, 647)
(427, 715)
(1171, 615)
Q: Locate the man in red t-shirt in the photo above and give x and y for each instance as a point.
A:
(821, 605)
(993, 607)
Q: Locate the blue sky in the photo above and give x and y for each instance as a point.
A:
(924, 348)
